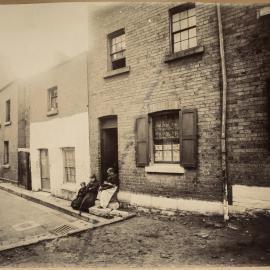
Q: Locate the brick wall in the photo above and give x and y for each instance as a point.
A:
(247, 50)
(192, 82)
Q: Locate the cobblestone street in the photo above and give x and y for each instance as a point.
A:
(151, 240)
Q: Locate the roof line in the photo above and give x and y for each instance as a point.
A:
(7, 85)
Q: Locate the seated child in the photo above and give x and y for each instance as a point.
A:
(76, 202)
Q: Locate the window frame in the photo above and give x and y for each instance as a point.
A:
(110, 37)
(173, 11)
(152, 142)
(8, 111)
(65, 163)
(50, 96)
(6, 153)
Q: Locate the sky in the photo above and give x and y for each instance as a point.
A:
(35, 37)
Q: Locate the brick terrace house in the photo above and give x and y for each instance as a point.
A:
(185, 127)
(59, 132)
(14, 134)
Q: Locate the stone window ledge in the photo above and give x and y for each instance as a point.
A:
(116, 72)
(179, 55)
(6, 166)
(70, 187)
(8, 123)
(52, 112)
(165, 168)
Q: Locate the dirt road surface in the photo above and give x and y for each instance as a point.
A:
(155, 240)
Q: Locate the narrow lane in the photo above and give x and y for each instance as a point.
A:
(21, 219)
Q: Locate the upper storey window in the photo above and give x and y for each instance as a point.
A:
(117, 45)
(183, 27)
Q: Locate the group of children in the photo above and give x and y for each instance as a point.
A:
(88, 193)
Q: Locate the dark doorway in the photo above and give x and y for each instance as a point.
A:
(109, 145)
(24, 170)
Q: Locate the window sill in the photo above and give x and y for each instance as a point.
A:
(165, 168)
(6, 166)
(52, 112)
(8, 123)
(116, 72)
(179, 55)
(70, 187)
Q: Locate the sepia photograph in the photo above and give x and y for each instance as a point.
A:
(134, 134)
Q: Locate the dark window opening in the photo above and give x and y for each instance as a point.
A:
(8, 111)
(6, 152)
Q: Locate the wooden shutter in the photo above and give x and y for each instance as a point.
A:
(188, 138)
(142, 152)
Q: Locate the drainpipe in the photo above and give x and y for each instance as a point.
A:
(223, 118)
(88, 107)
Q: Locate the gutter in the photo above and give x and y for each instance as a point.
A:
(223, 117)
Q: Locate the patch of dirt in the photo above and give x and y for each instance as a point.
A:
(155, 240)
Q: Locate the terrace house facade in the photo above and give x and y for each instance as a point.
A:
(184, 126)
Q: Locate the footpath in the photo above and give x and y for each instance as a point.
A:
(96, 218)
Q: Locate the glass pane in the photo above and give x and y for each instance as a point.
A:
(158, 147)
(184, 35)
(176, 37)
(176, 156)
(193, 42)
(183, 15)
(191, 12)
(184, 24)
(192, 21)
(184, 45)
(167, 146)
(158, 156)
(176, 27)
(192, 32)
(177, 47)
(176, 17)
(167, 155)
(176, 146)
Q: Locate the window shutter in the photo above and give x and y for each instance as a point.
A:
(142, 156)
(188, 138)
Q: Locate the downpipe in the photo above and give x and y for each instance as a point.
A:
(223, 118)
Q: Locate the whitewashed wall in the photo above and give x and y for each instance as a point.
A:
(71, 131)
(247, 198)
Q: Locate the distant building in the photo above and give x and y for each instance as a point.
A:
(157, 104)
(59, 132)
(14, 134)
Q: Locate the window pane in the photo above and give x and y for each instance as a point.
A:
(177, 47)
(191, 12)
(176, 17)
(193, 42)
(184, 45)
(167, 155)
(176, 156)
(158, 147)
(184, 24)
(184, 35)
(158, 156)
(176, 26)
(192, 21)
(192, 32)
(177, 37)
(183, 15)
